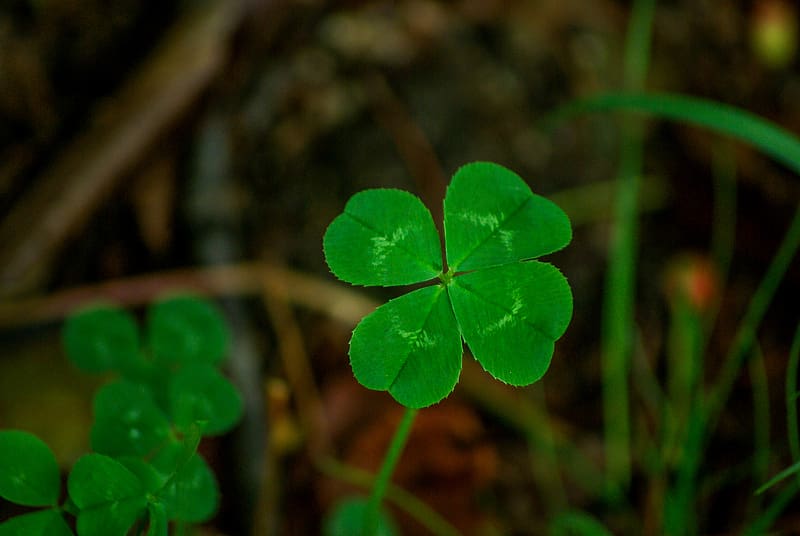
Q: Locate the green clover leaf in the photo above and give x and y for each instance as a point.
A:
(509, 308)
(110, 497)
(192, 494)
(41, 523)
(127, 421)
(187, 329)
(101, 338)
(384, 237)
(348, 518)
(199, 393)
(33, 479)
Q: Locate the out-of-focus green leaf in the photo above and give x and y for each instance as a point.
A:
(347, 519)
(101, 338)
(42, 523)
(110, 497)
(159, 524)
(151, 478)
(187, 330)
(29, 473)
(192, 494)
(577, 523)
(200, 393)
(127, 421)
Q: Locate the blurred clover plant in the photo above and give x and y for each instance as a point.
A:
(145, 470)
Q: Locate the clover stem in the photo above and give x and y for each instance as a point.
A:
(446, 277)
(385, 473)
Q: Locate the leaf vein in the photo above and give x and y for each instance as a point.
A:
(495, 231)
(383, 234)
(507, 310)
(423, 324)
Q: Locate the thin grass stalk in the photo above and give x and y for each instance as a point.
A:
(761, 444)
(762, 523)
(745, 335)
(680, 497)
(773, 141)
(791, 398)
(703, 419)
(618, 317)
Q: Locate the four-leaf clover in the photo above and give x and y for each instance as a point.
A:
(507, 307)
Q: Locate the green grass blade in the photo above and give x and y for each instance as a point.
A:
(618, 317)
(761, 407)
(789, 471)
(768, 517)
(769, 138)
(757, 308)
(791, 397)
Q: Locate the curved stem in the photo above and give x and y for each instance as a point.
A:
(385, 473)
(791, 397)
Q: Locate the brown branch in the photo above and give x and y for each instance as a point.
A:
(239, 279)
(124, 129)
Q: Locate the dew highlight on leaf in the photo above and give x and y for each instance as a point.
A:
(492, 221)
(419, 339)
(381, 245)
(505, 239)
(508, 318)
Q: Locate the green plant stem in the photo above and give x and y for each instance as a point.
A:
(793, 469)
(703, 418)
(768, 517)
(408, 502)
(678, 511)
(385, 473)
(684, 370)
(619, 298)
(760, 383)
(682, 443)
(791, 397)
(681, 433)
(745, 335)
(723, 226)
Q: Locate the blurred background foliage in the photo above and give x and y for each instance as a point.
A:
(205, 145)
